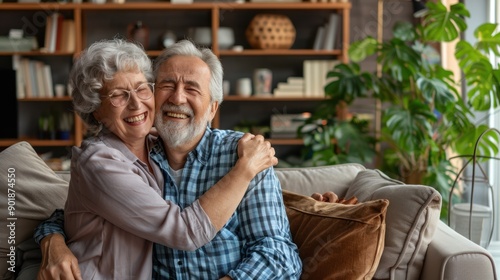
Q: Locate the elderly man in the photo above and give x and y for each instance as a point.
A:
(256, 242)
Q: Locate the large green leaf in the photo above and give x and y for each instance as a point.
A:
(443, 25)
(399, 59)
(487, 146)
(435, 91)
(347, 83)
(483, 81)
(467, 55)
(404, 31)
(410, 128)
(488, 38)
(360, 50)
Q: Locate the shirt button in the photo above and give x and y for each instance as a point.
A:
(179, 262)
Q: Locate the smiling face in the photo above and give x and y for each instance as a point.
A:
(183, 102)
(133, 121)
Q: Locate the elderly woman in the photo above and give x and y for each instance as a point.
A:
(114, 210)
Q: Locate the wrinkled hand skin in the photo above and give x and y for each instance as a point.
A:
(58, 262)
(333, 198)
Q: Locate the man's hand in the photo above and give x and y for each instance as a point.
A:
(333, 198)
(326, 197)
(58, 262)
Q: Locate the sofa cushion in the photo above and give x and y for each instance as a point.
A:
(412, 218)
(34, 192)
(337, 241)
(319, 179)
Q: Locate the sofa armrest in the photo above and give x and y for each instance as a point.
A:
(452, 256)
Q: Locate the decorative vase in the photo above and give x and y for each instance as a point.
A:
(139, 33)
(270, 31)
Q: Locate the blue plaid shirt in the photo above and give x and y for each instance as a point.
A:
(254, 244)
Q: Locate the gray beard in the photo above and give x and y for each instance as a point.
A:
(175, 135)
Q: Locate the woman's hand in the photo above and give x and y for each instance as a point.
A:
(255, 153)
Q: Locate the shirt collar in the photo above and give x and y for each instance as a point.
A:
(201, 153)
(111, 140)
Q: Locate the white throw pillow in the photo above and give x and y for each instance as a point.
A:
(411, 220)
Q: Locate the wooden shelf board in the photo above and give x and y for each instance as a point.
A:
(45, 99)
(253, 52)
(38, 142)
(292, 142)
(36, 53)
(168, 5)
(270, 99)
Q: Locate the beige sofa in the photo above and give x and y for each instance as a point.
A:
(416, 245)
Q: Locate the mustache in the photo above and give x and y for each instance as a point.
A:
(177, 109)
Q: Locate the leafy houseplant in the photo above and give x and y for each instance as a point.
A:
(424, 115)
(333, 135)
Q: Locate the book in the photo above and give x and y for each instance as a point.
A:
(308, 78)
(290, 87)
(315, 72)
(16, 66)
(40, 80)
(48, 32)
(295, 80)
(47, 75)
(68, 36)
(58, 31)
(331, 32)
(25, 44)
(319, 39)
(287, 93)
(54, 23)
(26, 74)
(33, 79)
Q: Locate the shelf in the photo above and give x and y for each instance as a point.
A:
(292, 142)
(304, 52)
(44, 6)
(269, 99)
(36, 53)
(45, 99)
(37, 142)
(166, 5)
(103, 21)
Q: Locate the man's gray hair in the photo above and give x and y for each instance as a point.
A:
(188, 48)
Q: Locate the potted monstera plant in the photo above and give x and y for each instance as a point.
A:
(424, 115)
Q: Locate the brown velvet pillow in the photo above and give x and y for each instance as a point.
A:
(337, 241)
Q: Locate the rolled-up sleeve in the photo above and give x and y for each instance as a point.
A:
(105, 183)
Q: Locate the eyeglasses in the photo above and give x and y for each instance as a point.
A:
(120, 97)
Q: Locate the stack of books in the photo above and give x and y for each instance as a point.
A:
(59, 34)
(328, 35)
(315, 72)
(34, 79)
(293, 87)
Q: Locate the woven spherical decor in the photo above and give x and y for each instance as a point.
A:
(270, 31)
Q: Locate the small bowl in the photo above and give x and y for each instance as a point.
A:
(203, 36)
